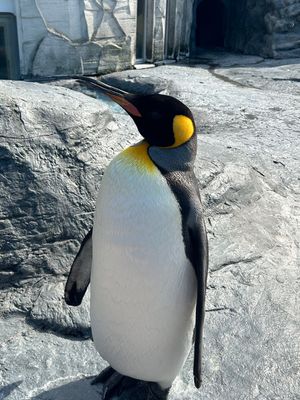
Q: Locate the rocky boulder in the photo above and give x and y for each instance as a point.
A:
(46, 149)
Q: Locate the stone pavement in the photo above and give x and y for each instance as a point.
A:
(55, 145)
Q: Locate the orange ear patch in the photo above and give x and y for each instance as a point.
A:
(183, 129)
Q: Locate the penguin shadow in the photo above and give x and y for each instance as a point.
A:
(5, 391)
(76, 390)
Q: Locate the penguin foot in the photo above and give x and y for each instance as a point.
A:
(113, 382)
(133, 389)
(121, 387)
(117, 386)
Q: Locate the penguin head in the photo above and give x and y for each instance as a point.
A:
(162, 120)
(168, 128)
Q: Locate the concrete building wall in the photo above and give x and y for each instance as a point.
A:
(94, 36)
(7, 6)
(75, 36)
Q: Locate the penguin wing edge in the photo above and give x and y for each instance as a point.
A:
(185, 188)
(199, 250)
(79, 276)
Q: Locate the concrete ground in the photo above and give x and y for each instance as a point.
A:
(247, 112)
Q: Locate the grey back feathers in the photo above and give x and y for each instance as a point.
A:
(174, 159)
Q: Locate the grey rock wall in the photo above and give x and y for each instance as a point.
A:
(50, 158)
(283, 27)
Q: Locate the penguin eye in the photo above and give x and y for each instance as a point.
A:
(183, 129)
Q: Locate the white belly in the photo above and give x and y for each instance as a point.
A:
(142, 285)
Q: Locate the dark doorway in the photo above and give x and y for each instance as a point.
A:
(9, 59)
(210, 24)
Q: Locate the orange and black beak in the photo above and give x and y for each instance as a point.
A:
(124, 99)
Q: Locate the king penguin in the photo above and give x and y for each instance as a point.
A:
(146, 256)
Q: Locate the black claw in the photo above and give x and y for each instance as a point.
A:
(113, 385)
(123, 387)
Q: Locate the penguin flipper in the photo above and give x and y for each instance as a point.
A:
(79, 276)
(199, 249)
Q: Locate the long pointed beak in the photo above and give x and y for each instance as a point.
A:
(119, 96)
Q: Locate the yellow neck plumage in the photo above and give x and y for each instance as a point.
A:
(138, 155)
